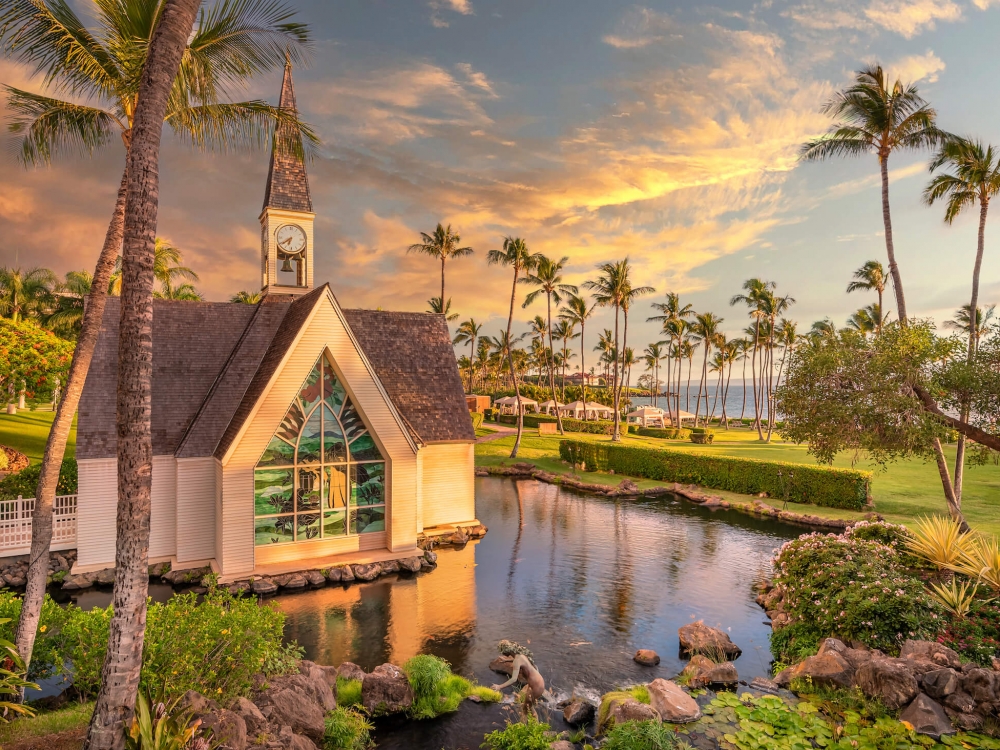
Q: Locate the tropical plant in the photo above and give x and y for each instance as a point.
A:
(564, 332)
(12, 682)
(468, 332)
(867, 319)
(529, 734)
(347, 729)
(25, 293)
(954, 596)
(156, 726)
(870, 277)
(706, 330)
(246, 297)
(961, 321)
(940, 541)
(673, 317)
(981, 560)
(233, 42)
(66, 315)
(756, 297)
(442, 244)
(577, 313)
(435, 307)
(640, 735)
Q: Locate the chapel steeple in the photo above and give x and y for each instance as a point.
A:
(287, 217)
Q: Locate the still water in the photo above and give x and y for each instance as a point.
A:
(583, 581)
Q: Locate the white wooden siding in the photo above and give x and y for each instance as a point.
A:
(195, 509)
(163, 512)
(448, 483)
(217, 468)
(96, 511)
(236, 554)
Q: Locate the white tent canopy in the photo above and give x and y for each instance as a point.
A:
(647, 416)
(508, 404)
(594, 410)
(548, 406)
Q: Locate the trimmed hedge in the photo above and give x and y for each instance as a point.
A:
(592, 427)
(477, 419)
(663, 433)
(820, 485)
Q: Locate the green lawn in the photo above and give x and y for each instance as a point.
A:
(27, 432)
(22, 732)
(903, 492)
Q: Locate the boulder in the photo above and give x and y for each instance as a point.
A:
(181, 577)
(617, 708)
(289, 740)
(960, 702)
(927, 717)
(333, 574)
(646, 657)
(503, 664)
(701, 672)
(389, 566)
(940, 683)
(289, 708)
(315, 578)
(888, 680)
(253, 719)
(562, 745)
(431, 556)
(579, 712)
(764, 685)
(262, 586)
(385, 690)
(828, 668)
(930, 651)
(239, 587)
(229, 730)
(670, 701)
(80, 581)
(699, 638)
(832, 644)
(410, 564)
(196, 704)
(966, 722)
(158, 569)
(350, 671)
(105, 577)
(367, 571)
(979, 684)
(857, 656)
(17, 579)
(310, 683)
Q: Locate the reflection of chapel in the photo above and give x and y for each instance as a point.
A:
(289, 433)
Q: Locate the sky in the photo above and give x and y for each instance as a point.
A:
(595, 130)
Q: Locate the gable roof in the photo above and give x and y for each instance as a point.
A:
(287, 185)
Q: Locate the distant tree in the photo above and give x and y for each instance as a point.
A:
(706, 329)
(25, 294)
(468, 332)
(870, 277)
(564, 332)
(441, 244)
(674, 319)
(66, 314)
(434, 305)
(960, 322)
(757, 296)
(867, 319)
(246, 297)
(577, 312)
(31, 355)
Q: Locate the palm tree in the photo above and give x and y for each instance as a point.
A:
(960, 322)
(609, 290)
(687, 352)
(515, 255)
(547, 276)
(872, 118)
(706, 330)
(66, 314)
(435, 308)
(468, 332)
(606, 345)
(631, 294)
(184, 292)
(822, 329)
(246, 297)
(757, 293)
(870, 277)
(673, 316)
(231, 44)
(577, 313)
(866, 320)
(565, 331)
(654, 354)
(786, 335)
(441, 244)
(734, 350)
(773, 307)
(25, 293)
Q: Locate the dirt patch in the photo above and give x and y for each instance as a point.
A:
(71, 739)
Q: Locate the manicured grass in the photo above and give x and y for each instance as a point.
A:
(903, 492)
(27, 432)
(21, 731)
(483, 431)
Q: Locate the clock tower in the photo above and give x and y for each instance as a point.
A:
(286, 221)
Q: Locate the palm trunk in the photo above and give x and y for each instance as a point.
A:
(743, 409)
(753, 372)
(615, 437)
(725, 393)
(687, 392)
(583, 371)
(472, 350)
(123, 661)
(704, 374)
(552, 365)
(954, 507)
(626, 369)
(442, 284)
(770, 383)
(785, 353)
(897, 283)
(55, 448)
(513, 375)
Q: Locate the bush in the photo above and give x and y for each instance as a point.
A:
(477, 419)
(348, 692)
(436, 690)
(25, 482)
(527, 735)
(663, 433)
(848, 587)
(640, 735)
(4, 461)
(592, 426)
(820, 485)
(346, 729)
(704, 437)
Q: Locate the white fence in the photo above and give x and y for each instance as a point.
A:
(15, 524)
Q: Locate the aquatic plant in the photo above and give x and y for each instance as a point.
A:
(525, 735)
(640, 735)
(347, 729)
(436, 690)
(348, 691)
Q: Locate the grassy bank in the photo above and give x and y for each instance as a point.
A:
(27, 432)
(903, 492)
(61, 729)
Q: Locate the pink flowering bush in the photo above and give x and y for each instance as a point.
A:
(853, 586)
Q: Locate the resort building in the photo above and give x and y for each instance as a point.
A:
(289, 434)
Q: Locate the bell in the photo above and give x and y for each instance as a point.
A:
(286, 265)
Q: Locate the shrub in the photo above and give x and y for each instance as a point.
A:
(4, 461)
(490, 414)
(527, 735)
(663, 433)
(592, 426)
(640, 735)
(25, 482)
(850, 588)
(347, 729)
(348, 692)
(976, 636)
(477, 419)
(940, 541)
(436, 690)
(821, 485)
(46, 658)
(702, 438)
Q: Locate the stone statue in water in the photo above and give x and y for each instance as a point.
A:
(524, 671)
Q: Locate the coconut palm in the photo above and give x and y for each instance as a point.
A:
(873, 117)
(673, 316)
(468, 332)
(755, 298)
(578, 313)
(25, 293)
(435, 308)
(67, 310)
(870, 278)
(822, 329)
(182, 292)
(632, 293)
(960, 322)
(246, 297)
(866, 320)
(441, 244)
(609, 290)
(515, 255)
(706, 330)
(565, 331)
(547, 276)
(654, 354)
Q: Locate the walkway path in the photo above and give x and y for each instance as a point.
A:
(501, 432)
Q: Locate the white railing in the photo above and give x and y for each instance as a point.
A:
(15, 524)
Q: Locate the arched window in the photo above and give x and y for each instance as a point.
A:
(321, 476)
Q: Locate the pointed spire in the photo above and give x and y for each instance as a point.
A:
(287, 183)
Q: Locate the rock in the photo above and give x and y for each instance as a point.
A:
(158, 569)
(289, 740)
(15, 579)
(829, 669)
(181, 577)
(979, 684)
(458, 537)
(105, 577)
(940, 683)
(927, 717)
(262, 586)
(411, 564)
(888, 680)
(390, 566)
(431, 556)
(764, 685)
(617, 708)
(310, 683)
(670, 701)
(366, 572)
(930, 651)
(81, 581)
(386, 690)
(699, 638)
(295, 581)
(701, 672)
(562, 745)
(578, 712)
(229, 730)
(333, 574)
(857, 656)
(832, 644)
(627, 487)
(503, 664)
(315, 578)
(478, 531)
(196, 704)
(967, 722)
(646, 657)
(350, 671)
(281, 580)
(288, 708)
(251, 715)
(960, 702)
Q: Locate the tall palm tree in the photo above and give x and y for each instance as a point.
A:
(184, 292)
(468, 332)
(246, 297)
(565, 331)
(547, 276)
(673, 316)
(873, 117)
(441, 244)
(435, 308)
(25, 293)
(515, 255)
(870, 277)
(786, 336)
(605, 345)
(755, 298)
(232, 43)
(654, 354)
(609, 290)
(960, 322)
(705, 329)
(67, 311)
(632, 293)
(773, 307)
(578, 313)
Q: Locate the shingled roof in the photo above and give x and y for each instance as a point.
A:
(287, 185)
(212, 361)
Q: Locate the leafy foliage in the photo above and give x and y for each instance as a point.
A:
(940, 541)
(347, 729)
(348, 692)
(156, 726)
(640, 735)
(25, 482)
(12, 680)
(977, 635)
(31, 355)
(526, 735)
(668, 433)
(436, 690)
(591, 426)
(821, 485)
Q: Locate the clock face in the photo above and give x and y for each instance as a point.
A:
(291, 239)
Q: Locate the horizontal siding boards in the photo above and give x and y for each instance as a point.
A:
(195, 509)
(163, 515)
(324, 331)
(97, 507)
(448, 483)
(217, 468)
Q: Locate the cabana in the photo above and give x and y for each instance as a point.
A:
(682, 417)
(549, 407)
(594, 410)
(508, 404)
(647, 416)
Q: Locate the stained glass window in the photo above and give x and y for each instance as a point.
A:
(322, 476)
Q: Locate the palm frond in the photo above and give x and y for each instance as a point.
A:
(244, 125)
(42, 127)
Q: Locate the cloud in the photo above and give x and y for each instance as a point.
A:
(915, 68)
(476, 78)
(462, 7)
(910, 17)
(639, 28)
